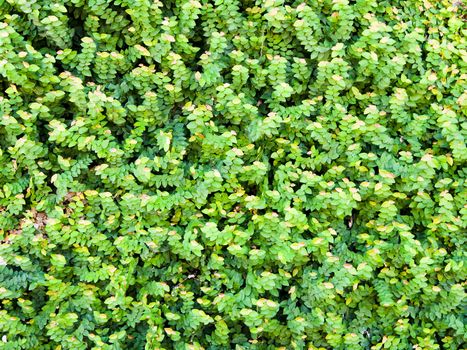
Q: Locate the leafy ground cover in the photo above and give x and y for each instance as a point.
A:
(232, 174)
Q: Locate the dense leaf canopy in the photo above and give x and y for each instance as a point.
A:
(233, 174)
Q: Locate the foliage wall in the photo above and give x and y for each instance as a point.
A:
(233, 174)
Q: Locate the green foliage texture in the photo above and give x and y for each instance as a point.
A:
(233, 174)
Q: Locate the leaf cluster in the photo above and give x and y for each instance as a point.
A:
(194, 174)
